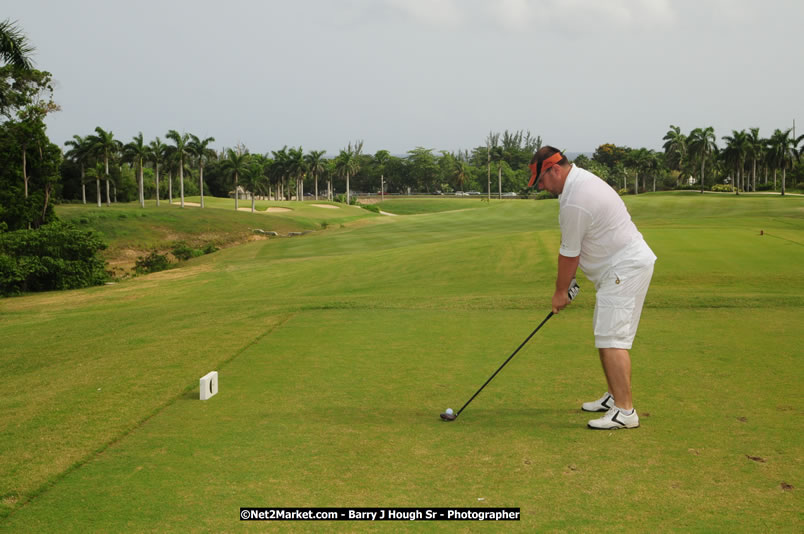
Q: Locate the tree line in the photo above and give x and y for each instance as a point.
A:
(100, 168)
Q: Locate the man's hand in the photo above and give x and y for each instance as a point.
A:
(560, 300)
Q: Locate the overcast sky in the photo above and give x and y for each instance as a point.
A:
(405, 73)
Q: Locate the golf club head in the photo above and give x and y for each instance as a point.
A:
(448, 416)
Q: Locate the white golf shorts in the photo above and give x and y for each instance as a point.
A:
(618, 307)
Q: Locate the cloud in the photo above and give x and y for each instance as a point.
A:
(430, 12)
(576, 15)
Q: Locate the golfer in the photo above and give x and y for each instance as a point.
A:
(598, 236)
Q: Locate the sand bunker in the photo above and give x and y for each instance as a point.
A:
(277, 210)
(328, 206)
(189, 204)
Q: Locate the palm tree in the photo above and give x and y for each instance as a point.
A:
(315, 164)
(382, 157)
(491, 143)
(498, 155)
(202, 153)
(15, 50)
(97, 172)
(347, 164)
(171, 161)
(79, 152)
(329, 172)
(783, 150)
(137, 152)
(297, 169)
(737, 147)
(675, 149)
(756, 147)
(182, 151)
(235, 165)
(701, 144)
(279, 171)
(157, 153)
(461, 172)
(104, 143)
(254, 178)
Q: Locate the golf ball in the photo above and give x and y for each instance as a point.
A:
(449, 411)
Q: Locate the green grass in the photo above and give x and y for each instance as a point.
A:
(337, 351)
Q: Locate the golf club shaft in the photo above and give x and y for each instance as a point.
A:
(504, 363)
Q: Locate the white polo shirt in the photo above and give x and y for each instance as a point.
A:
(596, 226)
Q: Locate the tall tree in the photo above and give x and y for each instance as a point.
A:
(347, 164)
(103, 144)
(315, 164)
(172, 164)
(279, 171)
(80, 153)
(756, 147)
(235, 165)
(497, 156)
(15, 51)
(734, 155)
(157, 154)
(254, 179)
(783, 150)
(701, 144)
(136, 152)
(675, 149)
(199, 148)
(97, 172)
(491, 143)
(182, 149)
(297, 169)
(381, 158)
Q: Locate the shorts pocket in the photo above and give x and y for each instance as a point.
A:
(613, 315)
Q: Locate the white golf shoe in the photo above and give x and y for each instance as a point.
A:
(600, 405)
(615, 418)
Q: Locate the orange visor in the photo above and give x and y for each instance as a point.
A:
(539, 167)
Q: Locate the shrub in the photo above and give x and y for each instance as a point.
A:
(723, 188)
(691, 187)
(55, 256)
(184, 252)
(544, 194)
(324, 225)
(340, 198)
(765, 187)
(210, 248)
(152, 263)
(371, 207)
(624, 191)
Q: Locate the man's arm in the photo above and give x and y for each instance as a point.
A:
(567, 267)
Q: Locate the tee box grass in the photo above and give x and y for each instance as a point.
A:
(337, 351)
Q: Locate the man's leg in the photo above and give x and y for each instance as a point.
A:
(617, 366)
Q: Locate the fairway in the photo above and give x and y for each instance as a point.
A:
(337, 351)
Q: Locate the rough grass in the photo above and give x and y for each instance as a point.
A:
(338, 350)
(131, 231)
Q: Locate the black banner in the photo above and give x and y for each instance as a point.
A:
(379, 514)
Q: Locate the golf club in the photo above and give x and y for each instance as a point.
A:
(449, 416)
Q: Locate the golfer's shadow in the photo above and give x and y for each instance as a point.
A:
(507, 417)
